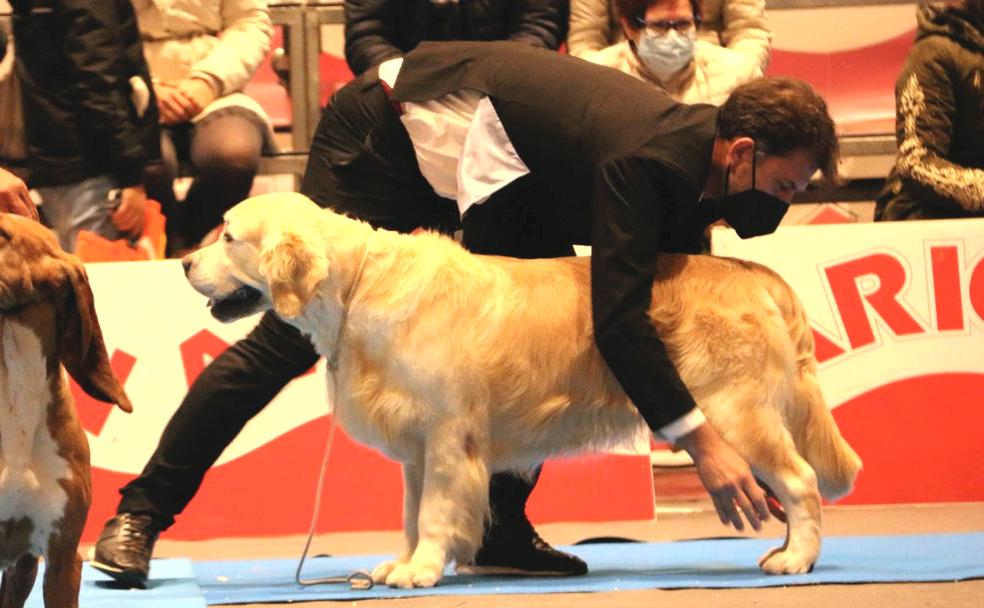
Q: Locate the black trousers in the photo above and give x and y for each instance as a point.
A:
(361, 163)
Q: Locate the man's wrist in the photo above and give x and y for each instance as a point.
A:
(683, 425)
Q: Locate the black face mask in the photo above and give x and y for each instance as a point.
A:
(752, 212)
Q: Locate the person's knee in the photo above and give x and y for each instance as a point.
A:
(229, 159)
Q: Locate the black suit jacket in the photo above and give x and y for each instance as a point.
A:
(629, 164)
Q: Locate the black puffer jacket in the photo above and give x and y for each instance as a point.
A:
(377, 30)
(75, 59)
(939, 97)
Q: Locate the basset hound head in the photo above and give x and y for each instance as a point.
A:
(33, 268)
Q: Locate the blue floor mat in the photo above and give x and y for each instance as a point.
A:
(173, 586)
(725, 563)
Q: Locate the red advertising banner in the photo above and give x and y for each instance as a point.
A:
(898, 316)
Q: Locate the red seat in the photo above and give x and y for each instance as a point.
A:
(858, 84)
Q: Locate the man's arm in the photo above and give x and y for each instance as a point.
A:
(628, 231)
(14, 197)
(370, 33)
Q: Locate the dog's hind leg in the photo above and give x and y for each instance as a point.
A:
(453, 503)
(775, 461)
(756, 431)
(413, 483)
(18, 581)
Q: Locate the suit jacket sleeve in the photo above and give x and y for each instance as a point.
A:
(631, 198)
(370, 32)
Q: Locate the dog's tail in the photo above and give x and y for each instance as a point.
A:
(809, 420)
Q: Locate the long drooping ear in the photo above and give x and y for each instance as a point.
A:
(293, 271)
(30, 262)
(80, 341)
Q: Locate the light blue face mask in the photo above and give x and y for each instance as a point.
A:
(667, 54)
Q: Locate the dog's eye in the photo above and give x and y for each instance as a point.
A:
(227, 237)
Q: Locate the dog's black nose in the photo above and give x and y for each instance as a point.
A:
(186, 264)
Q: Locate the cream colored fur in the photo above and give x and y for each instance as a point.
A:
(459, 365)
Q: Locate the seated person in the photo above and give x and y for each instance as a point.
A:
(939, 170)
(739, 26)
(201, 55)
(377, 30)
(661, 46)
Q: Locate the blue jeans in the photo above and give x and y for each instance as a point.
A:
(87, 204)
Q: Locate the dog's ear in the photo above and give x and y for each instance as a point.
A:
(29, 262)
(80, 341)
(33, 268)
(293, 272)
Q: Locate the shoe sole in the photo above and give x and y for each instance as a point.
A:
(508, 571)
(120, 575)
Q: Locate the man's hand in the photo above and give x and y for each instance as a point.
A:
(14, 197)
(129, 216)
(727, 478)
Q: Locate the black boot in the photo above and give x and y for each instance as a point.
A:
(125, 547)
(510, 545)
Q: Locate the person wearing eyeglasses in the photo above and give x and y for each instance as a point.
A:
(661, 45)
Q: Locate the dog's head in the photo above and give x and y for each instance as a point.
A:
(272, 254)
(33, 268)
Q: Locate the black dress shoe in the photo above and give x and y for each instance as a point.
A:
(519, 551)
(125, 547)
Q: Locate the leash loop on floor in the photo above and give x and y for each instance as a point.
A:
(359, 580)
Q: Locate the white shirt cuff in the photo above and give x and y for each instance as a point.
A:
(683, 425)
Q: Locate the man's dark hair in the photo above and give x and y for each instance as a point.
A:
(782, 115)
(636, 9)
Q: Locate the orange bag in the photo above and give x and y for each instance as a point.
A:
(92, 247)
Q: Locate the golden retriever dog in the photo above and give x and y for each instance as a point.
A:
(47, 320)
(458, 365)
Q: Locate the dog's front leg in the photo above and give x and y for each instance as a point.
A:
(62, 576)
(413, 483)
(18, 581)
(453, 503)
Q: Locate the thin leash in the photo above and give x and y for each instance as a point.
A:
(360, 579)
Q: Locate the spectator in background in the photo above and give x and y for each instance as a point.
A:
(377, 30)
(660, 46)
(739, 26)
(14, 197)
(201, 55)
(939, 169)
(90, 120)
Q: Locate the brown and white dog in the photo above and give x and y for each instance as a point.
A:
(47, 320)
(458, 365)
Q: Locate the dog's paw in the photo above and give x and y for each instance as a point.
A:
(381, 572)
(407, 576)
(784, 561)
